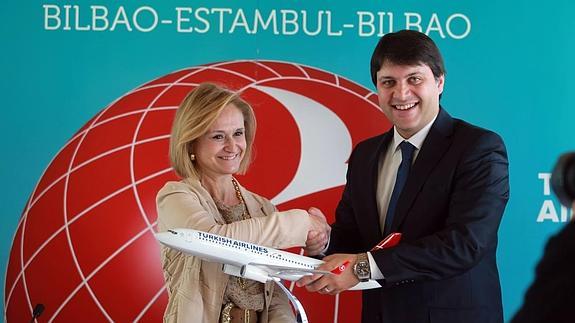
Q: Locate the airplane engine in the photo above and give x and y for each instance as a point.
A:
(231, 270)
(254, 273)
(247, 271)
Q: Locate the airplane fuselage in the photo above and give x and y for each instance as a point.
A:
(244, 259)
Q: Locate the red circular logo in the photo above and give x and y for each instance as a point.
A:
(84, 245)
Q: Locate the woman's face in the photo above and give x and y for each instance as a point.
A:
(221, 149)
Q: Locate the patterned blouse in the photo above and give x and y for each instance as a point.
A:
(244, 293)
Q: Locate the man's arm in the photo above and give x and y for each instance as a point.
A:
(477, 198)
(345, 235)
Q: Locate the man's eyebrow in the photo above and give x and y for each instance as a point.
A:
(392, 78)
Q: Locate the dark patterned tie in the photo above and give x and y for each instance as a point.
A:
(407, 150)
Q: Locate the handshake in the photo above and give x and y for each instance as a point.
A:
(318, 235)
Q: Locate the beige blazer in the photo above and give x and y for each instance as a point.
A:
(196, 287)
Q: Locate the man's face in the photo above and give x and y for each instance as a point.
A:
(408, 95)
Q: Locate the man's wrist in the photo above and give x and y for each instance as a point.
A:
(361, 269)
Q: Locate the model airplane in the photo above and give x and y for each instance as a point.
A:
(251, 261)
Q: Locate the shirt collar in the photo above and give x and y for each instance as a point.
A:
(417, 139)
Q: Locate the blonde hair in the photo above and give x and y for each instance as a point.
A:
(195, 115)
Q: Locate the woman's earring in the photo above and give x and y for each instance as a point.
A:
(193, 157)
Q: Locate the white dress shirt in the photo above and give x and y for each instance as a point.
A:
(388, 166)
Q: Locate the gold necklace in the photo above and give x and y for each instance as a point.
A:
(245, 215)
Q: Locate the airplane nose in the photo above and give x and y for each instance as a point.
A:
(161, 237)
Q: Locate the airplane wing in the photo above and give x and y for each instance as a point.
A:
(282, 271)
(294, 273)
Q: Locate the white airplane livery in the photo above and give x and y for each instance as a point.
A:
(247, 260)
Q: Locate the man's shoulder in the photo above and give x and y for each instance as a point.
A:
(461, 124)
(447, 125)
(471, 132)
(372, 142)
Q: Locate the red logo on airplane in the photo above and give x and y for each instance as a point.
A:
(86, 231)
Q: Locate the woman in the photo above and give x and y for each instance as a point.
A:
(211, 140)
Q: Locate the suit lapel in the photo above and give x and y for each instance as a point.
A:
(206, 199)
(368, 216)
(434, 147)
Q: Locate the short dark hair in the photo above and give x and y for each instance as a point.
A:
(406, 47)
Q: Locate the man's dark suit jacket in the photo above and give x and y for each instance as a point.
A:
(444, 269)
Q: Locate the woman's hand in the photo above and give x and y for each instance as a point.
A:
(318, 235)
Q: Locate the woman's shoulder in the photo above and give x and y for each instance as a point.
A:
(265, 203)
(183, 186)
(259, 198)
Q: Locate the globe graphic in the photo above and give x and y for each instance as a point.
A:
(84, 247)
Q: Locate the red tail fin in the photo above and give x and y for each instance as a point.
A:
(390, 241)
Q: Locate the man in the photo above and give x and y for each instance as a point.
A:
(455, 188)
(550, 297)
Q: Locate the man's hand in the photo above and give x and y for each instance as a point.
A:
(318, 236)
(332, 284)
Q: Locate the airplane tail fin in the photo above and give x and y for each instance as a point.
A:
(390, 241)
